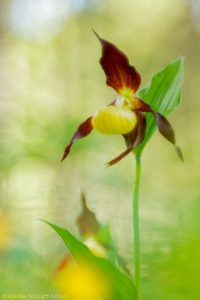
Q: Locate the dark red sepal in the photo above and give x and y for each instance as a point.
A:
(83, 130)
(118, 158)
(120, 74)
(132, 139)
(166, 129)
(136, 137)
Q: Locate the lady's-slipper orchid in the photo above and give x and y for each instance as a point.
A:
(125, 115)
(81, 281)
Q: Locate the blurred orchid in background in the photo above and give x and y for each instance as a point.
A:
(83, 281)
(125, 115)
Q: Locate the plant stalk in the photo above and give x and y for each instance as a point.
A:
(136, 225)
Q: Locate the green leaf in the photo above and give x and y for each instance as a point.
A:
(163, 93)
(123, 288)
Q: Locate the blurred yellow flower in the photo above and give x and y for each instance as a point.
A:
(4, 232)
(81, 282)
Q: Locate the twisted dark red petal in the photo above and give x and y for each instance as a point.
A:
(141, 130)
(83, 130)
(166, 129)
(119, 157)
(120, 74)
(133, 138)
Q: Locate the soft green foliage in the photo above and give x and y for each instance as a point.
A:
(32, 270)
(122, 286)
(163, 94)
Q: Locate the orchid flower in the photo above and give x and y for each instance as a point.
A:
(125, 115)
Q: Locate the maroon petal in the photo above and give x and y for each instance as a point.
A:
(120, 74)
(83, 130)
(136, 136)
(132, 139)
(164, 127)
(118, 158)
(167, 131)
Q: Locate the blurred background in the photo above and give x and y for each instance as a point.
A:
(50, 81)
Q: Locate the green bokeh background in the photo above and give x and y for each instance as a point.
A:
(47, 87)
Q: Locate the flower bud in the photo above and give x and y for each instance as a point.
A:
(114, 120)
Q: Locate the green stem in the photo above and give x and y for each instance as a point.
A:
(136, 225)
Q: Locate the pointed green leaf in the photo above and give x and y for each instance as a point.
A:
(123, 288)
(163, 93)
